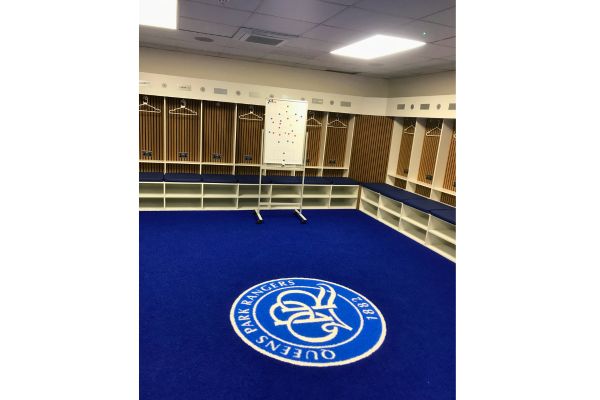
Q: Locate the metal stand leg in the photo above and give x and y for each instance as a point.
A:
(299, 214)
(259, 219)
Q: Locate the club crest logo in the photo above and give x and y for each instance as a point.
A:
(308, 322)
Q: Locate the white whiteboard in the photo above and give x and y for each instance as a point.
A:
(285, 132)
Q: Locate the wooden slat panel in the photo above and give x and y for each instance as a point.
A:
(448, 199)
(183, 169)
(146, 167)
(217, 169)
(450, 177)
(312, 172)
(151, 130)
(400, 183)
(313, 144)
(423, 190)
(217, 131)
(433, 130)
(335, 146)
(248, 135)
(370, 148)
(406, 142)
(183, 131)
(247, 170)
(333, 172)
(279, 173)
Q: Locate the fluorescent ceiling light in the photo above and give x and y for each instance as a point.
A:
(159, 13)
(377, 46)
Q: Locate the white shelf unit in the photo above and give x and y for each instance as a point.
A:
(432, 232)
(155, 196)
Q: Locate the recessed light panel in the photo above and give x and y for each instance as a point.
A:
(159, 13)
(377, 46)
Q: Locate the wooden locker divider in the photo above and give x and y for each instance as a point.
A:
(246, 170)
(248, 135)
(400, 183)
(183, 168)
(448, 199)
(281, 173)
(151, 129)
(183, 131)
(450, 176)
(313, 145)
(370, 148)
(335, 142)
(218, 121)
(423, 190)
(433, 130)
(333, 172)
(408, 133)
(217, 169)
(151, 167)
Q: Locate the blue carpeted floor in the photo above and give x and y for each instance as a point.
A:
(193, 265)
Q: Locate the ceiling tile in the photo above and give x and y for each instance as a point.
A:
(435, 32)
(367, 21)
(447, 42)
(306, 10)
(246, 5)
(306, 43)
(447, 17)
(219, 15)
(433, 51)
(210, 28)
(406, 8)
(276, 24)
(337, 35)
(343, 2)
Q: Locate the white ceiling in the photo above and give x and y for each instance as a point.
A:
(320, 26)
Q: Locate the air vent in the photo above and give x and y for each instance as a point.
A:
(345, 104)
(452, 106)
(424, 107)
(254, 94)
(219, 91)
(400, 106)
(317, 101)
(266, 38)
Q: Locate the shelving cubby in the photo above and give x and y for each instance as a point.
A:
(222, 203)
(176, 189)
(319, 191)
(183, 203)
(220, 190)
(151, 189)
(152, 203)
(344, 191)
(341, 202)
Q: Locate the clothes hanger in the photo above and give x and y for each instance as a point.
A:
(147, 108)
(337, 119)
(312, 121)
(410, 126)
(182, 110)
(437, 128)
(251, 116)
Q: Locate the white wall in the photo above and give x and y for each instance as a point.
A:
(223, 69)
(442, 83)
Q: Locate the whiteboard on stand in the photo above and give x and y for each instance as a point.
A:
(285, 132)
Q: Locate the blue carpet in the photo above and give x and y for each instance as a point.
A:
(193, 265)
